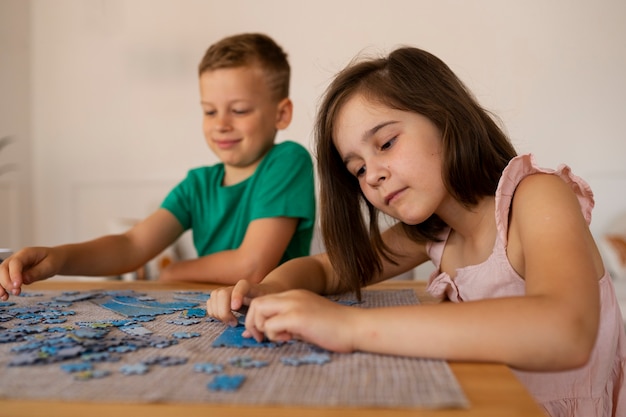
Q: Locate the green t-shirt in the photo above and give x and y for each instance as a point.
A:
(282, 186)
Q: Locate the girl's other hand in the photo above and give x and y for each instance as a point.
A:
(302, 315)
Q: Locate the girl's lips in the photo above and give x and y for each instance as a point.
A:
(392, 196)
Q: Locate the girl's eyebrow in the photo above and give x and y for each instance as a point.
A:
(368, 134)
(371, 132)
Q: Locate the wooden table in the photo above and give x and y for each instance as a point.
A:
(491, 389)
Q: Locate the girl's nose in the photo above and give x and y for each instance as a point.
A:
(376, 174)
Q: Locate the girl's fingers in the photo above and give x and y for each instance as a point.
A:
(218, 305)
(263, 311)
(240, 292)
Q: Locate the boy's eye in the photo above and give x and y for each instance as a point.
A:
(209, 112)
(241, 111)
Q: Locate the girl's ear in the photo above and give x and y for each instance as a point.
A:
(284, 113)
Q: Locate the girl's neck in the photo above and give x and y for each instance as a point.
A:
(472, 236)
(473, 223)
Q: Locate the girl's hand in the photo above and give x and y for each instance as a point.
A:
(224, 301)
(25, 267)
(302, 315)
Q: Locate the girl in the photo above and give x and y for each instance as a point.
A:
(403, 136)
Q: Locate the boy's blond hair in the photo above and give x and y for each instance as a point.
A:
(249, 49)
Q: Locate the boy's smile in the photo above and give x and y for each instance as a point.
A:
(241, 118)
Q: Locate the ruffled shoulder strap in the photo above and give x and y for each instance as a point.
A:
(524, 165)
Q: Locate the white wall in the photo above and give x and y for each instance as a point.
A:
(15, 169)
(114, 119)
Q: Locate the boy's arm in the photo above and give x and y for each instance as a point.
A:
(120, 253)
(107, 255)
(262, 248)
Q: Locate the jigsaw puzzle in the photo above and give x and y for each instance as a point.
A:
(78, 346)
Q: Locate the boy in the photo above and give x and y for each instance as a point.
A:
(249, 213)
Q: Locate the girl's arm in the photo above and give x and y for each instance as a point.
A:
(262, 248)
(551, 327)
(312, 273)
(316, 274)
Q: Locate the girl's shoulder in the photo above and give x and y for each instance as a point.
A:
(530, 185)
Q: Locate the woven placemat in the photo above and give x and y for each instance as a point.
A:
(347, 380)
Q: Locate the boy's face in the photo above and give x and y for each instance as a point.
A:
(241, 118)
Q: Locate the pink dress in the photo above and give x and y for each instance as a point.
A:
(598, 388)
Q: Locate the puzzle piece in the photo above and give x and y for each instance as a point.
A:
(226, 382)
(135, 329)
(99, 357)
(73, 296)
(198, 296)
(135, 369)
(246, 362)
(208, 368)
(90, 374)
(77, 367)
(184, 322)
(193, 313)
(165, 360)
(233, 337)
(315, 358)
(185, 335)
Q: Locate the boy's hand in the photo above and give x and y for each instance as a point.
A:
(302, 315)
(23, 268)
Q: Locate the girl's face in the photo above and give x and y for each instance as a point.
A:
(396, 156)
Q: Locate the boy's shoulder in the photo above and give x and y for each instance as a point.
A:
(206, 172)
(290, 147)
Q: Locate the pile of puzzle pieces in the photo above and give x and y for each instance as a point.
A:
(41, 335)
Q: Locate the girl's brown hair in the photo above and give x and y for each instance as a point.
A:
(475, 152)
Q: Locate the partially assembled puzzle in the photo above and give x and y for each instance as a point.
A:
(160, 346)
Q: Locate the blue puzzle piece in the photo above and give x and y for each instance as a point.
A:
(185, 335)
(72, 296)
(77, 367)
(134, 307)
(246, 362)
(200, 297)
(135, 329)
(208, 368)
(193, 312)
(90, 374)
(233, 337)
(226, 382)
(165, 360)
(184, 322)
(312, 358)
(134, 369)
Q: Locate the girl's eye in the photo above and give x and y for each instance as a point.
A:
(359, 172)
(388, 144)
(209, 112)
